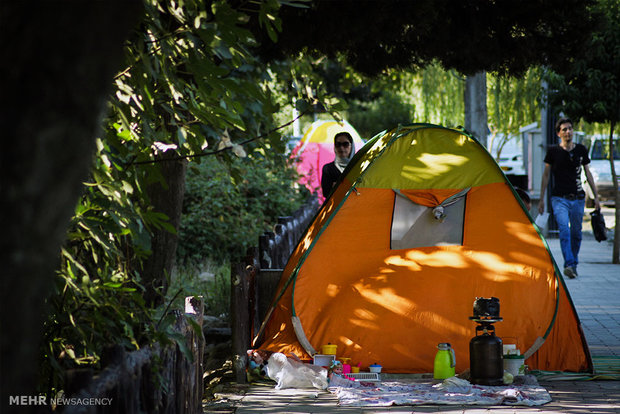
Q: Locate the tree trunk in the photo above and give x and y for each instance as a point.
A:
(165, 198)
(615, 258)
(476, 106)
(59, 59)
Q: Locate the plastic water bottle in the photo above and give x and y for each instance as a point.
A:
(445, 361)
(346, 367)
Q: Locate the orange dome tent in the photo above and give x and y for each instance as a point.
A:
(423, 222)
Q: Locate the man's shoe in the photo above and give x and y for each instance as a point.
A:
(570, 272)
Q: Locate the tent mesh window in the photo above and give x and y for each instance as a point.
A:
(415, 225)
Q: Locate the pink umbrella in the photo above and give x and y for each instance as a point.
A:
(316, 149)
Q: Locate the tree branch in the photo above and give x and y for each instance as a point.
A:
(203, 154)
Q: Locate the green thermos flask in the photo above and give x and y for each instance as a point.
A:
(445, 361)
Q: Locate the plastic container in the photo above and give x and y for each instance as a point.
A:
(514, 364)
(445, 361)
(375, 368)
(510, 349)
(323, 360)
(366, 376)
(355, 370)
(346, 367)
(329, 349)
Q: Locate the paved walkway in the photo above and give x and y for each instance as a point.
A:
(596, 296)
(596, 291)
(574, 397)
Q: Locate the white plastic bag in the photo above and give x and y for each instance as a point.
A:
(541, 220)
(289, 373)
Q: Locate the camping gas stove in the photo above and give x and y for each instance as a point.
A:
(485, 349)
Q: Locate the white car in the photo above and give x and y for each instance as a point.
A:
(600, 168)
(512, 164)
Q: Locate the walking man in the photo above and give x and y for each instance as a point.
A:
(563, 163)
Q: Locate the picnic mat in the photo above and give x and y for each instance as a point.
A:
(453, 391)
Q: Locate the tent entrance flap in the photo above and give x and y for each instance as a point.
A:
(301, 336)
(415, 225)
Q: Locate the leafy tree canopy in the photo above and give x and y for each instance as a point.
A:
(466, 35)
(588, 86)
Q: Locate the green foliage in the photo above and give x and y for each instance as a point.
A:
(209, 279)
(193, 82)
(433, 95)
(385, 112)
(227, 206)
(310, 86)
(438, 95)
(370, 104)
(588, 87)
(514, 101)
(87, 314)
(98, 294)
(191, 85)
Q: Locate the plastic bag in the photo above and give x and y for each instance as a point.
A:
(598, 225)
(541, 220)
(289, 373)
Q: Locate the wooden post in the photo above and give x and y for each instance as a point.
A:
(270, 252)
(252, 259)
(281, 246)
(264, 253)
(287, 222)
(296, 227)
(240, 318)
(266, 285)
(194, 308)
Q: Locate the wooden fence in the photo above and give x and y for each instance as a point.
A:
(163, 380)
(275, 247)
(253, 281)
(154, 379)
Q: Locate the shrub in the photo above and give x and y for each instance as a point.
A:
(386, 112)
(226, 207)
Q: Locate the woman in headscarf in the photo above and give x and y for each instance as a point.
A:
(344, 150)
